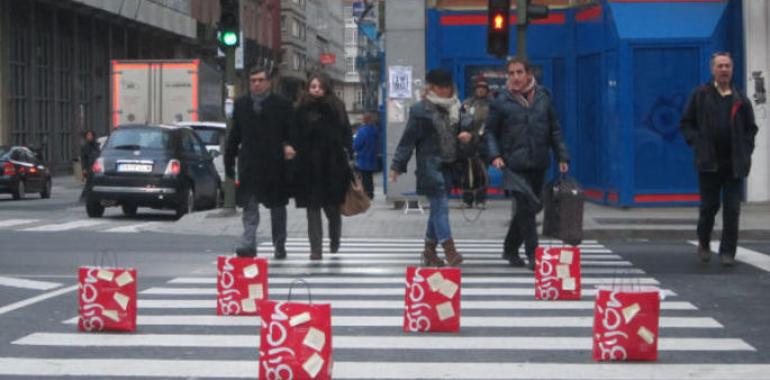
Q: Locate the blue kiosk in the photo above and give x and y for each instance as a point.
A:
(620, 73)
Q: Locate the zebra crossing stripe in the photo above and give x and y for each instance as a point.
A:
(231, 369)
(472, 254)
(16, 222)
(396, 321)
(132, 228)
(291, 240)
(392, 291)
(28, 284)
(64, 226)
(399, 304)
(417, 249)
(622, 273)
(469, 261)
(401, 342)
(211, 280)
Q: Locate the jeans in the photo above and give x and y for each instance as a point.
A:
(438, 220)
(250, 219)
(368, 182)
(716, 187)
(315, 228)
(523, 227)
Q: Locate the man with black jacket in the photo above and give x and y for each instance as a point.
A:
(522, 128)
(718, 122)
(258, 138)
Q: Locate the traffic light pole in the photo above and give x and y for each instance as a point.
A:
(521, 28)
(231, 85)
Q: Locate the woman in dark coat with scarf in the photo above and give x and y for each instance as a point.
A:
(322, 137)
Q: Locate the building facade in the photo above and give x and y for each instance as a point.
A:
(293, 47)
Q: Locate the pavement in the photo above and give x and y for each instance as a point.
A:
(384, 220)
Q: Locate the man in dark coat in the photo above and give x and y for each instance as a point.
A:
(259, 136)
(89, 152)
(718, 122)
(522, 128)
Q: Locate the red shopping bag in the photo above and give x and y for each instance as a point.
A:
(106, 299)
(557, 273)
(241, 283)
(295, 340)
(432, 299)
(626, 324)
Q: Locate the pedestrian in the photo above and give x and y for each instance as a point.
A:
(472, 158)
(718, 122)
(89, 152)
(259, 140)
(366, 144)
(322, 136)
(434, 129)
(522, 127)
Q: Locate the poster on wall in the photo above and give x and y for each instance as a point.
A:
(400, 82)
(396, 111)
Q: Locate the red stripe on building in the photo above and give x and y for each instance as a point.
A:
(612, 197)
(660, 198)
(588, 14)
(593, 194)
(476, 19)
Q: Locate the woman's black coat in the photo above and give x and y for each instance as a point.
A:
(321, 135)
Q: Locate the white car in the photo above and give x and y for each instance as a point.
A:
(211, 133)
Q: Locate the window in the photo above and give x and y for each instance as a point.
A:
(284, 27)
(350, 64)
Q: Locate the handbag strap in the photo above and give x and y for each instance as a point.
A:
(307, 286)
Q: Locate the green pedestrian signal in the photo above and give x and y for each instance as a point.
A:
(229, 23)
(228, 38)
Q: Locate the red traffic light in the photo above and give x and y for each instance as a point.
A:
(498, 22)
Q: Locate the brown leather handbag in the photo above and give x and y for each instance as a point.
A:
(356, 200)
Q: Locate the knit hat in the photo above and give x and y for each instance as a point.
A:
(482, 83)
(439, 77)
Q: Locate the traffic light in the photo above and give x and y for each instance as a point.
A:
(497, 27)
(525, 12)
(228, 27)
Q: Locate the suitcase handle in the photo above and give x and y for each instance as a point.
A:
(102, 256)
(307, 286)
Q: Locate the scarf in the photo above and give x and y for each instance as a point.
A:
(257, 100)
(526, 96)
(450, 105)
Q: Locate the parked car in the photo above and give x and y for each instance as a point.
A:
(211, 133)
(158, 166)
(23, 172)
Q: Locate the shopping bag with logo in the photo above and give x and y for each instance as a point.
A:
(241, 283)
(106, 298)
(432, 299)
(557, 273)
(295, 339)
(626, 323)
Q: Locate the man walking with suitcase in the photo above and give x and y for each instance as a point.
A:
(521, 129)
(718, 122)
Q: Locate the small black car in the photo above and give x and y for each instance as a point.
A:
(154, 166)
(23, 172)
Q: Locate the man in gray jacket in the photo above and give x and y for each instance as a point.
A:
(522, 128)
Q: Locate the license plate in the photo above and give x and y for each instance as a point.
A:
(134, 168)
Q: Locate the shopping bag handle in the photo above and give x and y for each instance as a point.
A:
(307, 286)
(104, 255)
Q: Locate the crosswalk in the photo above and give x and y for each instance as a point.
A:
(505, 333)
(92, 225)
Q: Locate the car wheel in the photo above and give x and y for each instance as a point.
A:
(186, 204)
(94, 209)
(20, 192)
(129, 209)
(46, 193)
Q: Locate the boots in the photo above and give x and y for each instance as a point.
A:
(429, 256)
(453, 258)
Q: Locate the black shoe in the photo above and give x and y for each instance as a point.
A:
(246, 252)
(516, 261)
(280, 253)
(726, 261)
(704, 253)
(334, 247)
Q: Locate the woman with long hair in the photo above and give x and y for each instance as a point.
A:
(322, 137)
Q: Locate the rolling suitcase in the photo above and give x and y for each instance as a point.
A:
(563, 215)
